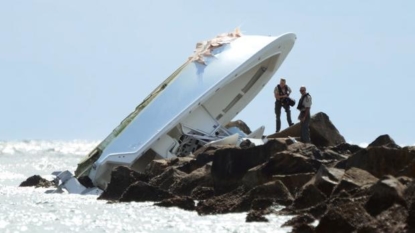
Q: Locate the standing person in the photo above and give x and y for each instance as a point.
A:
(281, 92)
(304, 106)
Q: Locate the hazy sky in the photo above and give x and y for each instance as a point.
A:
(75, 69)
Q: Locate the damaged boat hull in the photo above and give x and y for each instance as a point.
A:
(190, 107)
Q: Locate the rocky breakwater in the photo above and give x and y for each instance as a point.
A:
(344, 187)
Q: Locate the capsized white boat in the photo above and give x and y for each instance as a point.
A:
(189, 109)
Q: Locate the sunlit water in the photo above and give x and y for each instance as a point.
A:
(32, 210)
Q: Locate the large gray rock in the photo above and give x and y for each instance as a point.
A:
(221, 204)
(121, 178)
(199, 177)
(344, 218)
(37, 181)
(309, 196)
(322, 131)
(141, 192)
(158, 166)
(391, 220)
(354, 179)
(326, 179)
(242, 199)
(287, 163)
(410, 199)
(275, 190)
(380, 161)
(408, 170)
(384, 193)
(294, 182)
(384, 140)
(271, 193)
(166, 179)
(230, 165)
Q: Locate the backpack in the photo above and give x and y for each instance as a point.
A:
(287, 100)
(290, 101)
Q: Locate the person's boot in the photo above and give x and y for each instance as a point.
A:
(278, 126)
(290, 123)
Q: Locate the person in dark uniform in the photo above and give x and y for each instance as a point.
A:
(281, 92)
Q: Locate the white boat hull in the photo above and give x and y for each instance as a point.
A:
(190, 107)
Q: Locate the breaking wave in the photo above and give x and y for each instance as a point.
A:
(75, 147)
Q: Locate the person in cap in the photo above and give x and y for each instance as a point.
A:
(281, 92)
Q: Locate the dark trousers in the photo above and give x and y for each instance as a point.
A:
(305, 128)
(286, 107)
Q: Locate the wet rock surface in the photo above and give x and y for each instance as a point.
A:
(185, 203)
(37, 181)
(344, 187)
(121, 178)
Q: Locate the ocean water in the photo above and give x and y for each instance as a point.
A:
(32, 210)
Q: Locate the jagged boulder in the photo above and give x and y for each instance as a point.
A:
(141, 191)
(37, 181)
(345, 148)
(185, 203)
(166, 179)
(257, 216)
(322, 131)
(344, 218)
(255, 177)
(188, 182)
(384, 193)
(262, 203)
(300, 219)
(301, 223)
(221, 204)
(384, 140)
(298, 159)
(409, 195)
(158, 166)
(391, 220)
(275, 191)
(317, 211)
(330, 155)
(411, 216)
(230, 165)
(202, 193)
(354, 179)
(408, 171)
(309, 196)
(121, 178)
(305, 149)
(243, 199)
(294, 182)
(202, 156)
(326, 179)
(286, 163)
(303, 228)
(381, 160)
